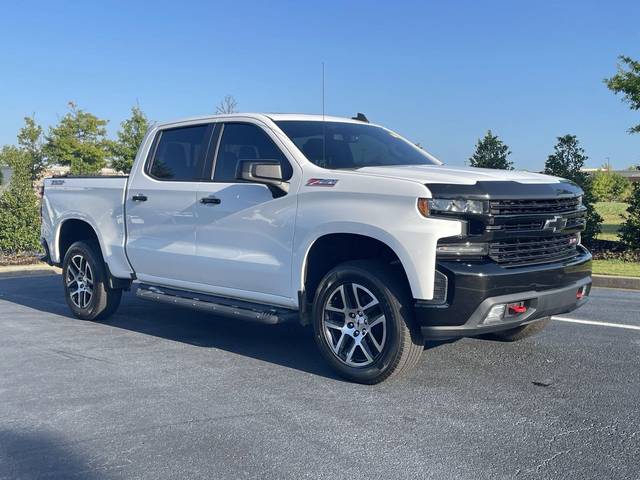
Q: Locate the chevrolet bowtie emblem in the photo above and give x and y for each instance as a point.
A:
(555, 224)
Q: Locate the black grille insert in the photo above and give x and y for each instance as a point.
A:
(440, 287)
(517, 226)
(534, 250)
(529, 207)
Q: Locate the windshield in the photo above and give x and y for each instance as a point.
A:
(351, 145)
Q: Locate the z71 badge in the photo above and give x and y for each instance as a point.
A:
(321, 182)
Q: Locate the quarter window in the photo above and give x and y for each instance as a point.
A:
(180, 153)
(243, 141)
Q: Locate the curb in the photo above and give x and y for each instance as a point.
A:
(609, 281)
(34, 270)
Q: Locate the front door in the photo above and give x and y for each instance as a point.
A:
(244, 233)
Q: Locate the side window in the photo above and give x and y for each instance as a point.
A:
(243, 141)
(180, 153)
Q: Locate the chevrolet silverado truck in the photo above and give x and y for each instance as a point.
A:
(327, 221)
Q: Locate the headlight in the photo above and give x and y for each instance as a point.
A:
(580, 200)
(467, 249)
(440, 205)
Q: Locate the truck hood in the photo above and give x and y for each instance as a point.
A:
(456, 175)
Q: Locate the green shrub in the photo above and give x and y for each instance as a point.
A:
(19, 221)
(626, 191)
(630, 230)
(19, 214)
(610, 187)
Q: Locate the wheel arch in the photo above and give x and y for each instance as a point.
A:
(75, 229)
(330, 249)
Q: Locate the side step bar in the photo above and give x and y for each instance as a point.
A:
(218, 305)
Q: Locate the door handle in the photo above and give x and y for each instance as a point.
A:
(210, 200)
(139, 198)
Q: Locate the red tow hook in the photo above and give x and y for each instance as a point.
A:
(517, 309)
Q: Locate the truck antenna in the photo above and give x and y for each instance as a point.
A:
(324, 132)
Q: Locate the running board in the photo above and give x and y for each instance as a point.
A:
(218, 305)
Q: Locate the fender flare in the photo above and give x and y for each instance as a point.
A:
(363, 229)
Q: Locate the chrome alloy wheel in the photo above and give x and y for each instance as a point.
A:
(79, 281)
(354, 325)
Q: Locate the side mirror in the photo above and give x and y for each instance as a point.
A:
(267, 172)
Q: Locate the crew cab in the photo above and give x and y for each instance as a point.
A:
(331, 222)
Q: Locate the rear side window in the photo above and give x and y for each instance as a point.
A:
(180, 153)
(243, 141)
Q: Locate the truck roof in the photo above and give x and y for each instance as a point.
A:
(276, 117)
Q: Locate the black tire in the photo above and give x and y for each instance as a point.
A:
(518, 333)
(400, 346)
(102, 301)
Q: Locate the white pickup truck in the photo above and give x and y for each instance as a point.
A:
(327, 221)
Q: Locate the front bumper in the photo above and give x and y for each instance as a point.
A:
(473, 289)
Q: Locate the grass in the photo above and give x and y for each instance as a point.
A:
(613, 215)
(616, 267)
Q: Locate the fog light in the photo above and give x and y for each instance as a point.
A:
(495, 314)
(462, 249)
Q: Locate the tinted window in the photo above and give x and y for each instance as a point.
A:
(180, 153)
(351, 145)
(243, 141)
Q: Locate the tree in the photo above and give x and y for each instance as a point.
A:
(567, 162)
(19, 214)
(31, 141)
(630, 229)
(228, 105)
(130, 138)
(80, 141)
(627, 82)
(610, 187)
(622, 188)
(491, 152)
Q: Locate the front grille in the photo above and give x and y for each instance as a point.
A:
(518, 226)
(534, 250)
(529, 207)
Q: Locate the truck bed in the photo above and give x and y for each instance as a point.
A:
(98, 200)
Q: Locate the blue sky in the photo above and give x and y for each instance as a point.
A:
(440, 73)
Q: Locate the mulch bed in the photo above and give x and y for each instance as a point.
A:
(610, 250)
(18, 259)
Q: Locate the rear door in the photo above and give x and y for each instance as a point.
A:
(160, 206)
(245, 230)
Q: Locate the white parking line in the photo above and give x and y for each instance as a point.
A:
(594, 322)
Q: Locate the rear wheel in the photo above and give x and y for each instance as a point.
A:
(86, 285)
(518, 333)
(362, 317)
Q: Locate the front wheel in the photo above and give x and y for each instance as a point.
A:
(362, 317)
(86, 286)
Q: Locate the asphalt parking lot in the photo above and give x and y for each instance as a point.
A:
(160, 392)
